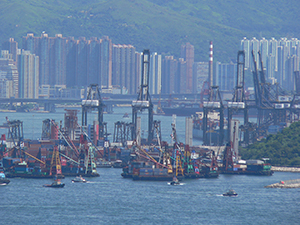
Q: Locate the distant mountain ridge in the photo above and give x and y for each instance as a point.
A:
(161, 26)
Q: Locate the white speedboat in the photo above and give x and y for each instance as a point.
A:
(79, 179)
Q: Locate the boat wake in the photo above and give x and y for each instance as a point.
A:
(225, 196)
(176, 184)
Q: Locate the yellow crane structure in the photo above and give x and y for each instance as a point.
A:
(55, 162)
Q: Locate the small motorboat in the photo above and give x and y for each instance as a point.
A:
(126, 115)
(230, 193)
(3, 180)
(117, 164)
(79, 179)
(175, 181)
(55, 184)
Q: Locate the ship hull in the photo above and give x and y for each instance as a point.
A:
(181, 111)
(256, 173)
(153, 178)
(37, 176)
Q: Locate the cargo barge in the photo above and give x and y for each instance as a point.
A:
(250, 167)
(244, 167)
(180, 165)
(21, 169)
(156, 174)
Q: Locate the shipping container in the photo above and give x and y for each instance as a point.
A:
(146, 170)
(145, 173)
(160, 171)
(267, 167)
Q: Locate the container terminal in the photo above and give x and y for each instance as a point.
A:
(74, 149)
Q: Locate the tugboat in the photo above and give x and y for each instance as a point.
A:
(55, 184)
(230, 193)
(79, 179)
(3, 179)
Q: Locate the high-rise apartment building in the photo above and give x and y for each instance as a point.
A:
(93, 61)
(8, 76)
(187, 53)
(225, 74)
(60, 60)
(201, 72)
(264, 50)
(169, 72)
(82, 66)
(31, 43)
(272, 59)
(106, 62)
(245, 45)
(71, 62)
(155, 73)
(130, 68)
(28, 67)
(44, 53)
(116, 65)
(123, 67)
(255, 47)
(180, 79)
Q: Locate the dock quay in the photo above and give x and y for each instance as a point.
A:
(285, 169)
(285, 184)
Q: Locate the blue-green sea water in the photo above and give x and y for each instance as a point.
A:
(111, 199)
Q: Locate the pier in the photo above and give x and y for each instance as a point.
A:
(285, 169)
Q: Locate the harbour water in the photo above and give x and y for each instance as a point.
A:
(32, 122)
(111, 199)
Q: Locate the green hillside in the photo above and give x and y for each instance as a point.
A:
(161, 26)
(283, 148)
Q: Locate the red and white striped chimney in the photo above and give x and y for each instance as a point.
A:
(210, 72)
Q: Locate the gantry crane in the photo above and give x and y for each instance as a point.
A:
(214, 103)
(271, 105)
(94, 101)
(238, 102)
(295, 104)
(143, 100)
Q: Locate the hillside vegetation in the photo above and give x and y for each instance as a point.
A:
(283, 148)
(161, 26)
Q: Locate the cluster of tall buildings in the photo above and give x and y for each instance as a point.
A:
(280, 58)
(64, 63)
(66, 66)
